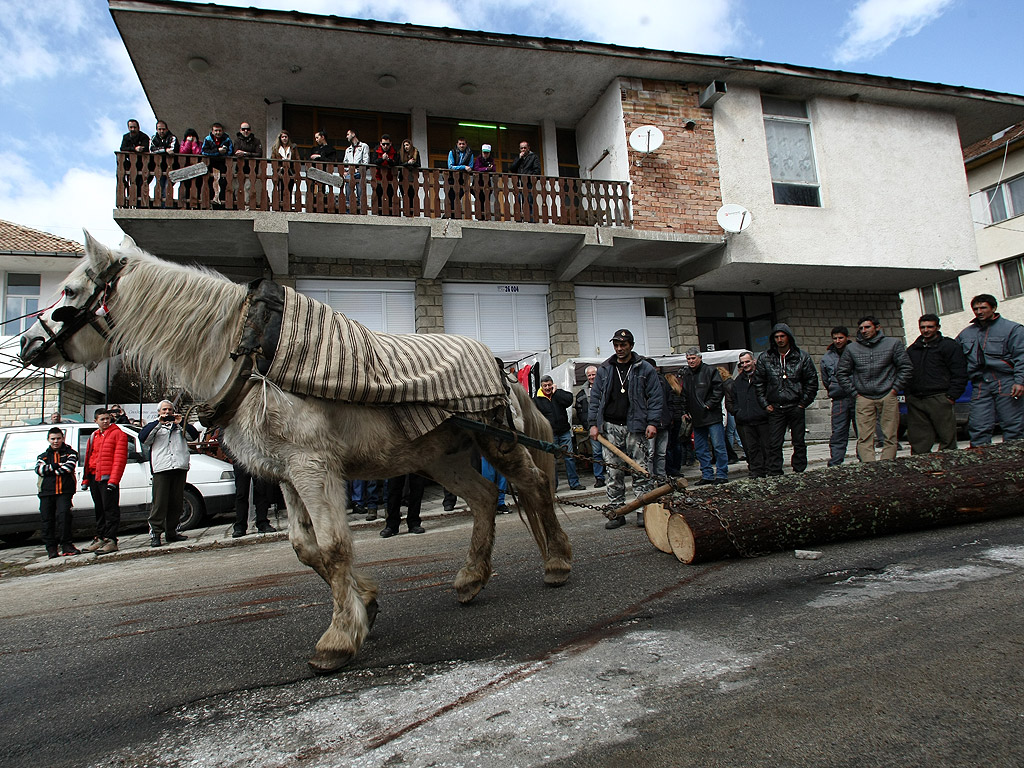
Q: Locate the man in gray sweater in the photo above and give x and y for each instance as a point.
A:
(875, 367)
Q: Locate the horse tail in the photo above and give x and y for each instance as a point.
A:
(536, 425)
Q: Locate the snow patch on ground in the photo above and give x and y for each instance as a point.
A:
(455, 715)
(896, 579)
(1007, 555)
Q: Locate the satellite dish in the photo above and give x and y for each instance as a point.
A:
(733, 218)
(646, 138)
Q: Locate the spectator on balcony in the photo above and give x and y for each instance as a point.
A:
(356, 153)
(248, 145)
(217, 145)
(409, 158)
(385, 157)
(135, 141)
(460, 158)
(483, 165)
(323, 151)
(283, 149)
(189, 145)
(163, 146)
(527, 164)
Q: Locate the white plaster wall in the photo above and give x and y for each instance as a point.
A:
(604, 127)
(894, 192)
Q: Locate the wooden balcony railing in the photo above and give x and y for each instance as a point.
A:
(235, 184)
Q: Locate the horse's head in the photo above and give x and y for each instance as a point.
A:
(76, 328)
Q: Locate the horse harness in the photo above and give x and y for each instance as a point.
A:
(93, 312)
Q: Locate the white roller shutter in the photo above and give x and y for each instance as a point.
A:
(601, 311)
(384, 307)
(502, 317)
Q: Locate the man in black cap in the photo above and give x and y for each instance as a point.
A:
(625, 403)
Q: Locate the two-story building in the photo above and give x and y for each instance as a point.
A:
(840, 189)
(995, 181)
(33, 265)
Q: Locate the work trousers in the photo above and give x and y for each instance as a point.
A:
(992, 403)
(632, 444)
(930, 420)
(885, 411)
(55, 512)
(168, 500)
(756, 439)
(842, 417)
(779, 421)
(107, 504)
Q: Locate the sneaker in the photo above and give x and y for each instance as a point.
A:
(94, 546)
(502, 509)
(416, 529)
(387, 533)
(267, 528)
(154, 540)
(599, 483)
(109, 545)
(577, 487)
(371, 514)
(615, 522)
(640, 519)
(172, 537)
(70, 551)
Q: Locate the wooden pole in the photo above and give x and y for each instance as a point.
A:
(618, 452)
(849, 502)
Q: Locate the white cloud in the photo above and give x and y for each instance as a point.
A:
(874, 25)
(35, 37)
(80, 199)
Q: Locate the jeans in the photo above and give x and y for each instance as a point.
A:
(658, 450)
(565, 440)
(715, 435)
(490, 473)
(365, 493)
(842, 417)
(598, 459)
(779, 420)
(991, 402)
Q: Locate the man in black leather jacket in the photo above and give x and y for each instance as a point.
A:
(703, 393)
(786, 382)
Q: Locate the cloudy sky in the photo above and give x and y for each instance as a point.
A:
(67, 85)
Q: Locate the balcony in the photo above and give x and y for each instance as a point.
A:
(241, 215)
(235, 184)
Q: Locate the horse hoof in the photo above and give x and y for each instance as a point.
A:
(324, 663)
(557, 575)
(372, 609)
(468, 585)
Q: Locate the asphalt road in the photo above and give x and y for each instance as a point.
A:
(900, 651)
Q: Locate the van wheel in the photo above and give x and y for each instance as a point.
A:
(19, 537)
(193, 511)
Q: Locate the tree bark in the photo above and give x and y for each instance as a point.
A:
(851, 501)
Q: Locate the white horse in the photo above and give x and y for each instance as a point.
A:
(182, 323)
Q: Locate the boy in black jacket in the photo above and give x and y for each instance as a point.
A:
(56, 469)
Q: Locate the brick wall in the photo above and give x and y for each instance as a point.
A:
(429, 306)
(28, 405)
(812, 315)
(677, 187)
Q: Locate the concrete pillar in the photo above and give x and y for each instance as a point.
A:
(549, 142)
(429, 306)
(562, 330)
(275, 122)
(419, 134)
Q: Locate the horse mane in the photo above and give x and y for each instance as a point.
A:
(175, 322)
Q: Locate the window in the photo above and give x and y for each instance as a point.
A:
(504, 138)
(1012, 274)
(790, 152)
(734, 320)
(942, 298)
(999, 203)
(302, 122)
(22, 298)
(21, 450)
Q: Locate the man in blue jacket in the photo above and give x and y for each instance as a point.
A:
(625, 403)
(994, 347)
(842, 401)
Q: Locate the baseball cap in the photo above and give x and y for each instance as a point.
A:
(622, 335)
(485, 148)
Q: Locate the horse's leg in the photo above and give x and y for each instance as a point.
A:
(322, 541)
(534, 490)
(456, 473)
(303, 541)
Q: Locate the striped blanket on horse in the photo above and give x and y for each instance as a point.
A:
(424, 377)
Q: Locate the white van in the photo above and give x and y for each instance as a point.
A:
(209, 488)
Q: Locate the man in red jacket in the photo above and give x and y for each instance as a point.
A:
(105, 458)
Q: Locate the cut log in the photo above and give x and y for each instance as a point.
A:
(848, 502)
(656, 524)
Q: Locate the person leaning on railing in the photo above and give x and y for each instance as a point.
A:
(135, 141)
(409, 161)
(283, 149)
(189, 145)
(163, 146)
(527, 164)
